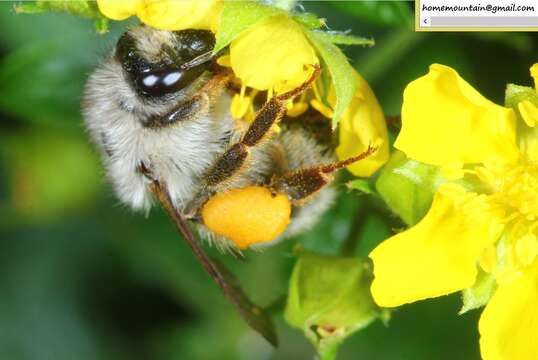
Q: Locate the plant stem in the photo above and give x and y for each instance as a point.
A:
(388, 51)
(255, 317)
(352, 241)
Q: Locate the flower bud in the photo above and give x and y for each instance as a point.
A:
(329, 299)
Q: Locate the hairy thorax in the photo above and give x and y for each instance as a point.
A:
(178, 154)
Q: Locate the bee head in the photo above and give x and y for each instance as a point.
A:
(158, 62)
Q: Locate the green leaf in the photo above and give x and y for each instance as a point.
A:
(238, 16)
(310, 20)
(514, 95)
(480, 293)
(407, 186)
(339, 68)
(36, 158)
(361, 185)
(329, 299)
(392, 13)
(342, 38)
(87, 9)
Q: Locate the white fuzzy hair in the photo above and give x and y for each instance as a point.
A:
(180, 154)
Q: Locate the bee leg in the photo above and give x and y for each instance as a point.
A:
(234, 159)
(145, 170)
(299, 184)
(271, 113)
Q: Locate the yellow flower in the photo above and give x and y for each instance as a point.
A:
(166, 14)
(263, 66)
(445, 122)
(119, 9)
(362, 124)
(273, 56)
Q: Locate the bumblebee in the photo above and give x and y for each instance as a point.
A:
(158, 109)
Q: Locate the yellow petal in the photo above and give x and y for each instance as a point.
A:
(507, 268)
(240, 105)
(181, 15)
(274, 54)
(445, 121)
(322, 108)
(534, 74)
(436, 257)
(452, 171)
(509, 324)
(119, 9)
(526, 249)
(530, 148)
(528, 135)
(224, 60)
(296, 109)
(529, 112)
(231, 215)
(488, 259)
(362, 124)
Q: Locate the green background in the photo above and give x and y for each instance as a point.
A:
(82, 277)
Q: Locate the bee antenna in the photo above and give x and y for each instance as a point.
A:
(200, 59)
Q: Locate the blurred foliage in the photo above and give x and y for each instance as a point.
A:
(84, 278)
(45, 176)
(87, 9)
(47, 78)
(381, 13)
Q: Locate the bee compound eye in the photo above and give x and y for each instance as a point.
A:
(126, 53)
(168, 80)
(169, 75)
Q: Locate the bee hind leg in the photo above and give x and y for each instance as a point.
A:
(233, 160)
(271, 113)
(300, 184)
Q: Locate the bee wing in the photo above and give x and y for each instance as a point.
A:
(255, 316)
(205, 57)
